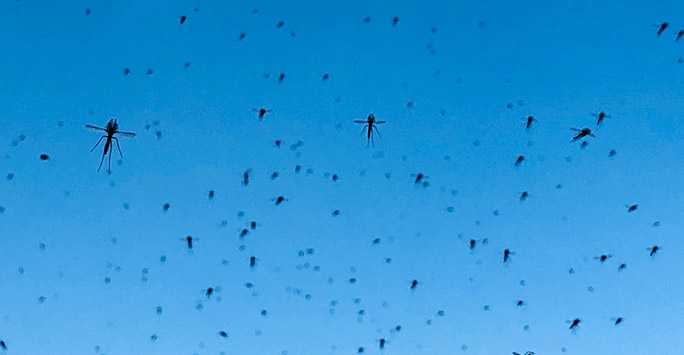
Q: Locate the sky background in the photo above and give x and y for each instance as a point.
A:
(65, 227)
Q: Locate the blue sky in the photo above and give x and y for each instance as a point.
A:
(560, 63)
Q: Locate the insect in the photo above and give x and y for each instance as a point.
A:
(414, 284)
(575, 323)
(278, 200)
(581, 133)
(654, 249)
(506, 255)
(245, 177)
(529, 121)
(680, 33)
(369, 124)
(603, 258)
(111, 129)
(661, 27)
(617, 320)
(519, 161)
(600, 116)
(261, 111)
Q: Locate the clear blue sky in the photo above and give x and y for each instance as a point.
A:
(62, 69)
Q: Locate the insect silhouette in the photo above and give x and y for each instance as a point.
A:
(111, 129)
(507, 255)
(245, 177)
(603, 258)
(261, 111)
(654, 249)
(661, 27)
(581, 133)
(370, 124)
(680, 33)
(600, 117)
(617, 320)
(519, 161)
(414, 284)
(575, 324)
(529, 121)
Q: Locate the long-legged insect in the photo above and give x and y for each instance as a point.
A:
(370, 124)
(110, 130)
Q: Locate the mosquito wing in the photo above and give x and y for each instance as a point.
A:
(360, 121)
(126, 134)
(576, 129)
(95, 128)
(380, 122)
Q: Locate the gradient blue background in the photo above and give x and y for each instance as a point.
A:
(564, 61)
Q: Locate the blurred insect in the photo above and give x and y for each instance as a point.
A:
(519, 161)
(110, 130)
(182, 19)
(600, 117)
(473, 243)
(3, 346)
(420, 179)
(654, 249)
(370, 124)
(661, 27)
(506, 255)
(622, 267)
(252, 261)
(529, 121)
(581, 133)
(524, 195)
(632, 208)
(211, 291)
(278, 200)
(245, 177)
(223, 333)
(414, 284)
(574, 324)
(526, 353)
(188, 240)
(603, 258)
(261, 111)
(617, 320)
(680, 33)
(382, 343)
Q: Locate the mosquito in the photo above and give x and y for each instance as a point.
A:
(110, 130)
(581, 133)
(369, 124)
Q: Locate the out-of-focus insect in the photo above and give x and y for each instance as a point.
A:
(111, 129)
(507, 255)
(600, 117)
(661, 27)
(261, 112)
(581, 133)
(654, 249)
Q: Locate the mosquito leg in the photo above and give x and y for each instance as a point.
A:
(109, 165)
(377, 131)
(118, 146)
(98, 143)
(101, 160)
(363, 129)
